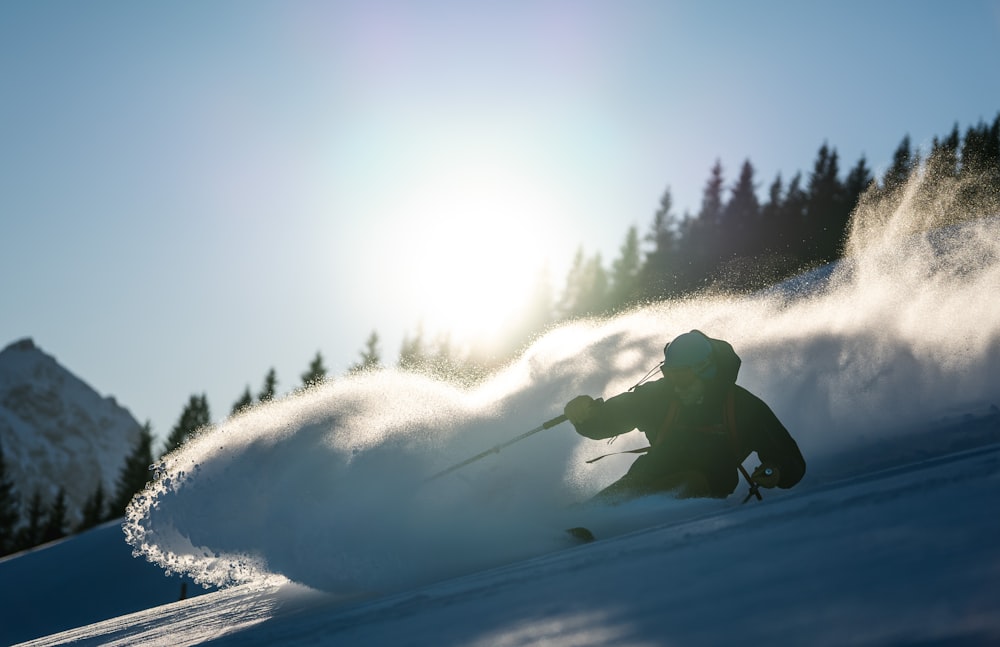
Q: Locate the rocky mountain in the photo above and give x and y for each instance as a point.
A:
(57, 431)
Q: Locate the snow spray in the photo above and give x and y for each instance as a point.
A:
(326, 487)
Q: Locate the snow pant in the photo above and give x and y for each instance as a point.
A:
(687, 466)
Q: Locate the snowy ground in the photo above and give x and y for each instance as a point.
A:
(905, 556)
(312, 519)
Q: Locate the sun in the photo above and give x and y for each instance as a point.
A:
(473, 238)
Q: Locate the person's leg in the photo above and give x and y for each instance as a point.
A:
(658, 471)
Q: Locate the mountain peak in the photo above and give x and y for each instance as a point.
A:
(58, 432)
(21, 344)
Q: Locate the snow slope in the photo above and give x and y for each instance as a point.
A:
(313, 514)
(907, 556)
(78, 581)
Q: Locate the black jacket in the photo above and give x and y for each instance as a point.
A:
(697, 438)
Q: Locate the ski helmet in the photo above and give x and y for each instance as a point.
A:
(691, 350)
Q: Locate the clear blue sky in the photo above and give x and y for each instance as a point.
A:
(192, 193)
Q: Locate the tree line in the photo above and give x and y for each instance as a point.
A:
(734, 243)
(28, 523)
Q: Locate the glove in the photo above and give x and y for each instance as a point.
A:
(580, 409)
(766, 476)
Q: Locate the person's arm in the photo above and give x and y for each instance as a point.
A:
(770, 439)
(597, 419)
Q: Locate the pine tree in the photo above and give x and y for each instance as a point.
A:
(445, 363)
(792, 224)
(624, 288)
(939, 177)
(992, 152)
(412, 352)
(371, 356)
(776, 258)
(316, 373)
(899, 171)
(94, 511)
(942, 163)
(701, 247)
(859, 180)
(740, 217)
(980, 169)
(826, 211)
(270, 385)
(569, 300)
(245, 402)
(30, 534)
(55, 520)
(9, 509)
(594, 296)
(711, 200)
(586, 291)
(770, 214)
(135, 473)
(194, 417)
(659, 276)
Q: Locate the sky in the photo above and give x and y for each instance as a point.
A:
(193, 194)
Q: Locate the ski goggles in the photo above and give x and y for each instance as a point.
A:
(684, 376)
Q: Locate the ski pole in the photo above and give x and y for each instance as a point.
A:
(548, 424)
(754, 488)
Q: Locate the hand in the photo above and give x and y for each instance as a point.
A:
(766, 476)
(579, 409)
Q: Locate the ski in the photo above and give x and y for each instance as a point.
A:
(581, 534)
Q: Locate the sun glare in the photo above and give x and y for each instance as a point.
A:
(473, 240)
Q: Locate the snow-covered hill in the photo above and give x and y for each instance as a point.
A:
(904, 556)
(57, 431)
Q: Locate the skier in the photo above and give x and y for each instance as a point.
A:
(700, 424)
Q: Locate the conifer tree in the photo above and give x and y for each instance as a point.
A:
(981, 151)
(412, 352)
(245, 401)
(740, 217)
(586, 291)
(94, 509)
(942, 163)
(859, 179)
(316, 373)
(445, 363)
(992, 161)
(371, 356)
(624, 279)
(980, 169)
(701, 250)
(135, 473)
(770, 213)
(776, 257)
(899, 170)
(270, 385)
(55, 519)
(658, 277)
(790, 232)
(594, 296)
(711, 201)
(9, 509)
(194, 417)
(826, 210)
(939, 177)
(30, 534)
